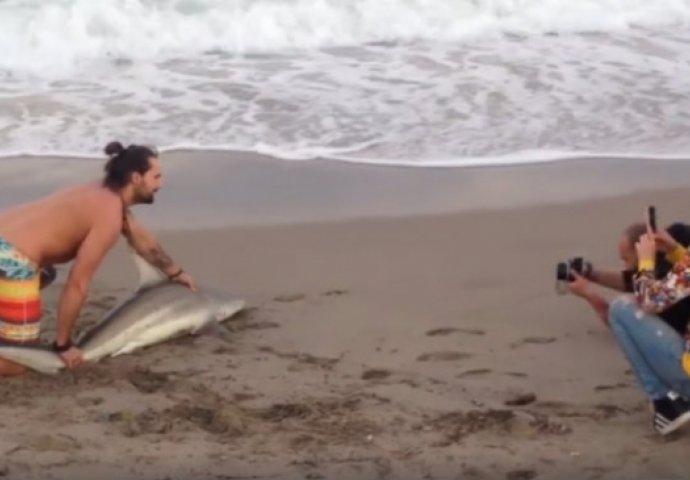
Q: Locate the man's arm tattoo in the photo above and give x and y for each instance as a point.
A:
(159, 258)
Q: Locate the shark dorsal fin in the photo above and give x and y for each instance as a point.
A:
(148, 274)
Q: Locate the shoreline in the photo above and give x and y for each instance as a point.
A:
(219, 189)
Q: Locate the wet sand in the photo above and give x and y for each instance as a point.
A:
(219, 189)
(429, 345)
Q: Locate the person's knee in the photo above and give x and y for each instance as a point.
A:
(621, 309)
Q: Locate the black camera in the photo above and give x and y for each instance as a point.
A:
(564, 271)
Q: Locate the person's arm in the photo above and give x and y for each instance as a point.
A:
(93, 249)
(614, 279)
(582, 287)
(147, 246)
(600, 306)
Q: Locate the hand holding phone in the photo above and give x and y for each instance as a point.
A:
(651, 217)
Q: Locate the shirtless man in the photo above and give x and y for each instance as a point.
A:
(81, 223)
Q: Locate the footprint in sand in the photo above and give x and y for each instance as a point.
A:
(520, 399)
(617, 386)
(147, 381)
(521, 475)
(52, 443)
(223, 350)
(290, 298)
(533, 341)
(477, 372)
(217, 420)
(375, 374)
(314, 476)
(302, 358)
(240, 326)
(443, 356)
(443, 331)
(88, 401)
(335, 293)
(243, 397)
(609, 411)
(517, 374)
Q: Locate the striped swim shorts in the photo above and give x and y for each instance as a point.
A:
(20, 299)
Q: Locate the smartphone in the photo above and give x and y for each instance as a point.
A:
(651, 214)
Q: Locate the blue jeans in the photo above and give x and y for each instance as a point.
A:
(652, 347)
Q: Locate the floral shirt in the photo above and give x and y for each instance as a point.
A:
(655, 295)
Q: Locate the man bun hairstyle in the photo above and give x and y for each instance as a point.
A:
(114, 148)
(123, 162)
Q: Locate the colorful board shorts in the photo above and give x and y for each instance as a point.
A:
(20, 297)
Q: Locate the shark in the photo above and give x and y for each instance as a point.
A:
(158, 310)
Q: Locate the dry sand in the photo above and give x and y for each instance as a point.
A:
(372, 348)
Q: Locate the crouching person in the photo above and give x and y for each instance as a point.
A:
(658, 353)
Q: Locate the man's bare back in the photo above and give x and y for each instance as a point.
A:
(50, 230)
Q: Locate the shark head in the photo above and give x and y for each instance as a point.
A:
(224, 306)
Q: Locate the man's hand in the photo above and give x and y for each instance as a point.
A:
(185, 279)
(146, 245)
(580, 287)
(73, 357)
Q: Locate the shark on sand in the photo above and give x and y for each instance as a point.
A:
(157, 311)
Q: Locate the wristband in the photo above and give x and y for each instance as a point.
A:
(62, 348)
(646, 264)
(676, 254)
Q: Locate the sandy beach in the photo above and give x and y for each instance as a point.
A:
(386, 336)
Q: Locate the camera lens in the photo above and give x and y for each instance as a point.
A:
(562, 271)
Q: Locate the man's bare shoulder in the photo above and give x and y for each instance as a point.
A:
(94, 192)
(92, 189)
(103, 205)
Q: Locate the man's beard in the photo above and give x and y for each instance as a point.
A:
(144, 197)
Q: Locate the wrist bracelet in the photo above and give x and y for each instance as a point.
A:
(677, 254)
(62, 348)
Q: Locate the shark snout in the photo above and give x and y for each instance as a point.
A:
(228, 308)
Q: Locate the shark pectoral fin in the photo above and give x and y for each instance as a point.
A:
(148, 274)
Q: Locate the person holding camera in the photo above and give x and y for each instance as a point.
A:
(582, 276)
(651, 327)
(658, 351)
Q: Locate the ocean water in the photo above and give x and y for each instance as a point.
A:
(414, 82)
